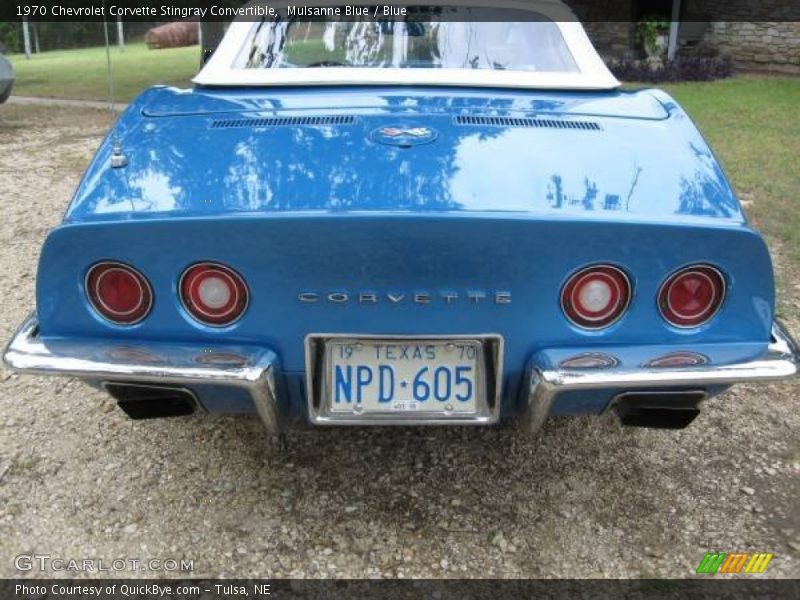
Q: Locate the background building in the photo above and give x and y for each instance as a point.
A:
(762, 34)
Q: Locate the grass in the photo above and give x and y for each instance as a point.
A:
(81, 74)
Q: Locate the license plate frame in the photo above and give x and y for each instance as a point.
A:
(318, 382)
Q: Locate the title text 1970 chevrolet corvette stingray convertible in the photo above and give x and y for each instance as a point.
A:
(406, 222)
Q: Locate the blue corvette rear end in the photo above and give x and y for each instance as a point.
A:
(402, 219)
(474, 233)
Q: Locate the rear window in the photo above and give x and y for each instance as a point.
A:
(529, 45)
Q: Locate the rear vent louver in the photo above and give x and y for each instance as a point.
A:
(284, 122)
(524, 122)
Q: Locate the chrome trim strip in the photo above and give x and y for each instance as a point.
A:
(780, 361)
(94, 359)
(488, 413)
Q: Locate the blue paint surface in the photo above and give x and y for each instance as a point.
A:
(488, 207)
(216, 153)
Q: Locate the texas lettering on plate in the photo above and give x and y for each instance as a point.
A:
(440, 376)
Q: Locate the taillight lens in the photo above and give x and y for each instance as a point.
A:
(678, 359)
(596, 297)
(589, 360)
(213, 293)
(119, 292)
(692, 296)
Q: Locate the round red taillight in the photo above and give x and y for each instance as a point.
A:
(118, 292)
(596, 297)
(213, 293)
(691, 296)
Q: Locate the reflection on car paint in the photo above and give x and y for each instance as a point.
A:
(271, 169)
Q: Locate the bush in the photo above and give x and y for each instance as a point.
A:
(647, 32)
(691, 68)
(10, 35)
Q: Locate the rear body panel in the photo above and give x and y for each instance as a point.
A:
(473, 233)
(473, 257)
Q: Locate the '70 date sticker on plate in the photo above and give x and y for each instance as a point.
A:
(368, 376)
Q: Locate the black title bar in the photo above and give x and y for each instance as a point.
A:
(466, 10)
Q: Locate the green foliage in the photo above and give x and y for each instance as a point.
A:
(648, 30)
(10, 36)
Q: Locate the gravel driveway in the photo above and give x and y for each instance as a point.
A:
(585, 499)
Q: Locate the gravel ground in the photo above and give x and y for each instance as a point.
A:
(585, 499)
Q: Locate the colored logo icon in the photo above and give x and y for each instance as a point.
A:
(714, 563)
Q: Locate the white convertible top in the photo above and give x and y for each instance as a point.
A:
(591, 72)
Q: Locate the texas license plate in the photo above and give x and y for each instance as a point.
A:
(415, 376)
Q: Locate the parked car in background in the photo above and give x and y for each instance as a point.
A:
(407, 222)
(6, 78)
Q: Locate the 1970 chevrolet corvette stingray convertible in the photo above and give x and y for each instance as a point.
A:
(406, 222)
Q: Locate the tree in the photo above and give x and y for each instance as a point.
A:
(26, 35)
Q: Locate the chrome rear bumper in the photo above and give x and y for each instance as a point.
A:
(544, 385)
(252, 369)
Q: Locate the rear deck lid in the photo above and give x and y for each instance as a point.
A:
(611, 156)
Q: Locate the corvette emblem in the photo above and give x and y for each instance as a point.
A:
(414, 131)
(446, 297)
(404, 137)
